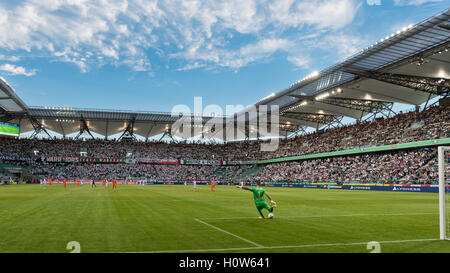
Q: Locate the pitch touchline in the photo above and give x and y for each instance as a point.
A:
(281, 247)
(229, 233)
(320, 216)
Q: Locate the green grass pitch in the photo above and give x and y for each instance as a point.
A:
(176, 219)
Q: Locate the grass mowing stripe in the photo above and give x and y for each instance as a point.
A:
(229, 233)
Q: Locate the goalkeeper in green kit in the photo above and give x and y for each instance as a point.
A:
(260, 202)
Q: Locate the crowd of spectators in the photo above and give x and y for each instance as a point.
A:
(415, 166)
(433, 123)
(34, 148)
(149, 172)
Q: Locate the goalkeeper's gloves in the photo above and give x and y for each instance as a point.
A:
(274, 205)
(240, 187)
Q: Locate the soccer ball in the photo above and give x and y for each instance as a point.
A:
(270, 215)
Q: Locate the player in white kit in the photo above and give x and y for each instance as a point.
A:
(44, 183)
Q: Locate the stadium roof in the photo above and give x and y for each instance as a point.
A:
(9, 101)
(411, 66)
(105, 122)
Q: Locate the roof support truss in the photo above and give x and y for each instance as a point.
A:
(167, 132)
(37, 126)
(301, 131)
(385, 111)
(149, 131)
(62, 129)
(311, 117)
(83, 128)
(436, 86)
(362, 105)
(337, 121)
(106, 129)
(130, 129)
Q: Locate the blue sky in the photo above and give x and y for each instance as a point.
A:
(153, 55)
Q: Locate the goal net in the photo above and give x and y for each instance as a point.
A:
(444, 190)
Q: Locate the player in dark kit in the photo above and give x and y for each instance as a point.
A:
(260, 202)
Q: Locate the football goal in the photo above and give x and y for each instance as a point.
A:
(444, 189)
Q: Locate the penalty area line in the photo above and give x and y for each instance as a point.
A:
(283, 247)
(320, 216)
(229, 233)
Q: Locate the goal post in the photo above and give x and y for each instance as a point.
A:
(444, 179)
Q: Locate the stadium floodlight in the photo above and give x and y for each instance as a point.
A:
(444, 181)
(323, 96)
(368, 97)
(268, 97)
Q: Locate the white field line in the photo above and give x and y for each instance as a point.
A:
(281, 247)
(331, 215)
(229, 233)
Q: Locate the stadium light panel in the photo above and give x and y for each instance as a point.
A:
(323, 96)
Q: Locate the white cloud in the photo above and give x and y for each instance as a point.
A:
(198, 33)
(299, 61)
(191, 66)
(265, 46)
(9, 58)
(313, 50)
(234, 59)
(345, 44)
(324, 14)
(110, 52)
(16, 70)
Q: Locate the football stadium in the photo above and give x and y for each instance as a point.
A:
(336, 168)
